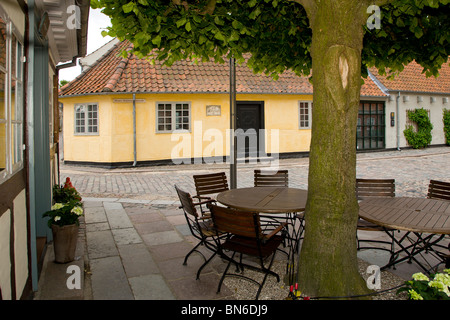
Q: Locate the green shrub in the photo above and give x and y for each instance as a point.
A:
(421, 138)
(447, 125)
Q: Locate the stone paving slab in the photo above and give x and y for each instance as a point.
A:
(109, 281)
(101, 244)
(151, 287)
(137, 260)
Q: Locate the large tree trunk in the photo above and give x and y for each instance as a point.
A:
(328, 263)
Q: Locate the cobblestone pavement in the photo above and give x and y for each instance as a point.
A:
(412, 169)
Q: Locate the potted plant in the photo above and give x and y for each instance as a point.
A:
(64, 221)
(435, 287)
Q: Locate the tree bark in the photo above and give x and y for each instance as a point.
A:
(328, 263)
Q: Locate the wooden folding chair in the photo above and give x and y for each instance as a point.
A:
(268, 178)
(438, 190)
(366, 188)
(209, 185)
(201, 227)
(245, 237)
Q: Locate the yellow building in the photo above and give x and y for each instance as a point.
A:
(125, 111)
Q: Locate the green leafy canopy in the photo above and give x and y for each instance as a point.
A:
(275, 33)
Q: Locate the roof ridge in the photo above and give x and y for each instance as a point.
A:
(112, 82)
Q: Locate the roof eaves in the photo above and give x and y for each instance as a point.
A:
(378, 83)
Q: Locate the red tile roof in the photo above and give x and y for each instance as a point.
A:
(112, 73)
(412, 79)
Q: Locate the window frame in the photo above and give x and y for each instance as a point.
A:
(300, 120)
(173, 116)
(371, 125)
(86, 119)
(14, 127)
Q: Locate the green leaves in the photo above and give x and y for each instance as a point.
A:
(421, 138)
(127, 8)
(410, 30)
(446, 120)
(181, 22)
(276, 33)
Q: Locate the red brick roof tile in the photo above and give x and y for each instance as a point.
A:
(412, 79)
(113, 73)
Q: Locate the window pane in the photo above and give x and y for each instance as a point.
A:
(304, 114)
(2, 44)
(13, 56)
(19, 61)
(79, 119)
(2, 95)
(16, 144)
(2, 146)
(13, 99)
(92, 118)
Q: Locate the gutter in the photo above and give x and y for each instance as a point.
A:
(134, 130)
(397, 106)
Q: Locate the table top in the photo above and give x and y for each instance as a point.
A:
(265, 199)
(410, 214)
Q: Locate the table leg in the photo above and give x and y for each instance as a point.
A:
(416, 247)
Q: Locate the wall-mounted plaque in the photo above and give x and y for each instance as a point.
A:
(213, 110)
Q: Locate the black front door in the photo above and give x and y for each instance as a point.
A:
(249, 122)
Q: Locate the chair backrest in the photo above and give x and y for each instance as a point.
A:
(186, 202)
(439, 190)
(210, 183)
(267, 178)
(375, 188)
(240, 223)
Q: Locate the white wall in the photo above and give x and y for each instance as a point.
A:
(412, 102)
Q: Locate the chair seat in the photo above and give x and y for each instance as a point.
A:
(249, 245)
(208, 228)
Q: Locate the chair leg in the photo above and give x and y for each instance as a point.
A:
(190, 252)
(204, 264)
(267, 271)
(225, 272)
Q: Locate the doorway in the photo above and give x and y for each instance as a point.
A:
(249, 126)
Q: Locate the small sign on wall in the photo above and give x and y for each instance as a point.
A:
(213, 110)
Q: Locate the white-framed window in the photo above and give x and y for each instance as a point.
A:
(86, 119)
(305, 114)
(11, 99)
(171, 116)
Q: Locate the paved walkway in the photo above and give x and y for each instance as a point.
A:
(134, 237)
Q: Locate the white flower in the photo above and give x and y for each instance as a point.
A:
(77, 210)
(57, 206)
(57, 218)
(420, 276)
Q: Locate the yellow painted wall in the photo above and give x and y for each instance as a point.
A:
(114, 143)
(95, 148)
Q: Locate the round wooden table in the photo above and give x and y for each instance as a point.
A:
(427, 219)
(265, 199)
(409, 214)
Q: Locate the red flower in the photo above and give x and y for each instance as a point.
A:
(68, 184)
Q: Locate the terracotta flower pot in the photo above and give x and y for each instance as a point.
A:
(65, 242)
